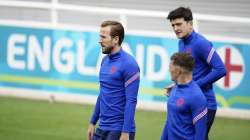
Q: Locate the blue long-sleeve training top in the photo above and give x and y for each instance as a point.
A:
(208, 64)
(186, 113)
(119, 83)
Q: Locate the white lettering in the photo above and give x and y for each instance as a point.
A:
(14, 50)
(154, 50)
(82, 69)
(140, 57)
(62, 58)
(35, 52)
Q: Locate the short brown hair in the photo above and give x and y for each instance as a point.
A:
(116, 29)
(184, 60)
(181, 12)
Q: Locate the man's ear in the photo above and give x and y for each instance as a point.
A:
(179, 70)
(191, 22)
(116, 39)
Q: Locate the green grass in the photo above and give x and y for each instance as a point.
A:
(40, 120)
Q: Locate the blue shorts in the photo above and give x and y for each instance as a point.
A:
(110, 135)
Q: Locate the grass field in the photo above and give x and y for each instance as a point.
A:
(40, 120)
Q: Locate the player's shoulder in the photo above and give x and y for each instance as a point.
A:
(201, 40)
(195, 95)
(201, 37)
(128, 59)
(195, 89)
(202, 44)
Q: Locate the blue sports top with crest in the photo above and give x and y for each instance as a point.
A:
(119, 83)
(186, 113)
(208, 64)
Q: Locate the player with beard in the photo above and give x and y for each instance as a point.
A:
(119, 83)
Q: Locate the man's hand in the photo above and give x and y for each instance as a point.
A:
(90, 131)
(124, 136)
(168, 89)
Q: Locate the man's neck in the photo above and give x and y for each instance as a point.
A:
(116, 49)
(188, 34)
(184, 79)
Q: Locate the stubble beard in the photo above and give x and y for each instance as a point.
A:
(107, 49)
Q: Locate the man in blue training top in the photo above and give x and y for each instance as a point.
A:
(119, 83)
(186, 107)
(208, 65)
